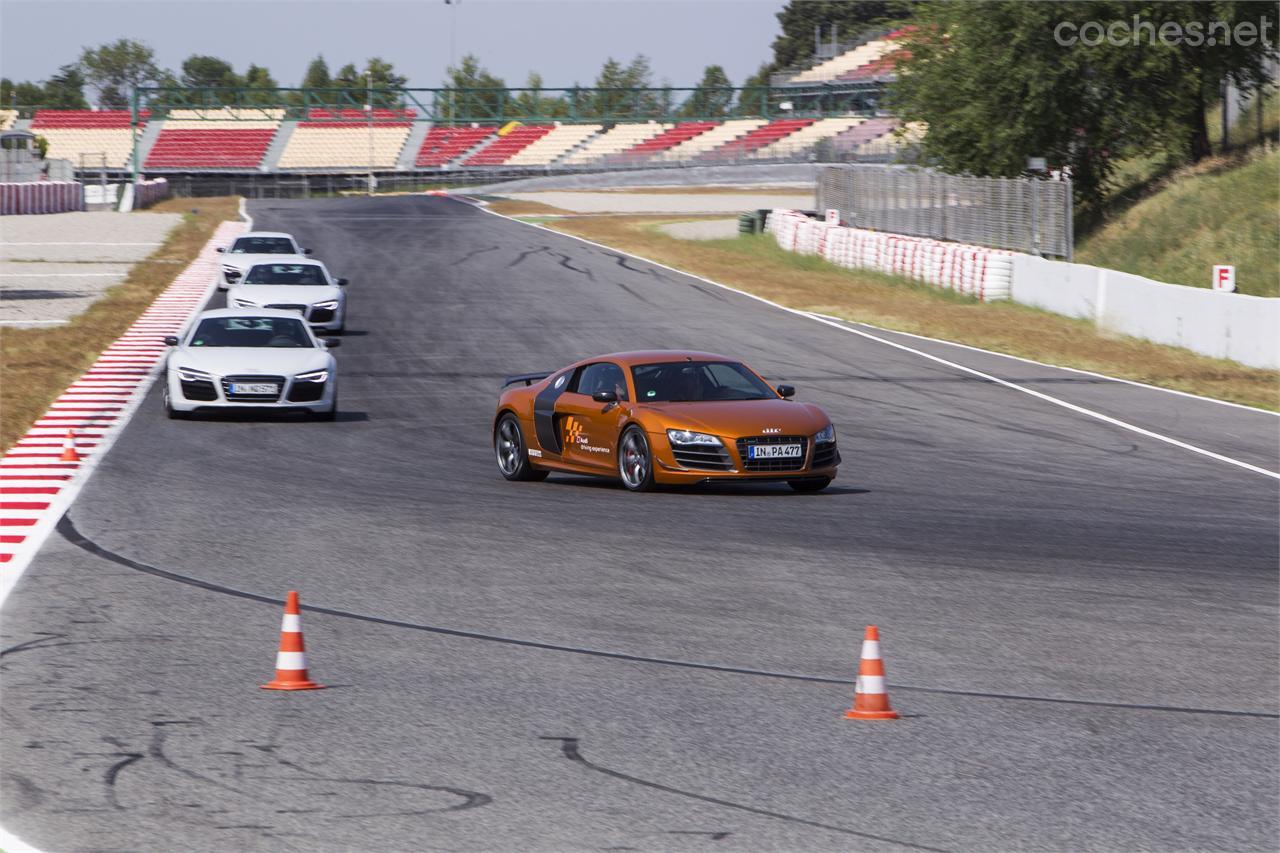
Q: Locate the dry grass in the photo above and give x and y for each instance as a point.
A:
(512, 207)
(726, 189)
(36, 365)
(758, 266)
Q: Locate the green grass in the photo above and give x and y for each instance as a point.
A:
(1223, 213)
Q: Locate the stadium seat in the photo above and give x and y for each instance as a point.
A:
(806, 137)
(554, 145)
(618, 138)
(87, 138)
(716, 136)
(673, 136)
(223, 138)
(755, 139)
(502, 148)
(857, 57)
(7, 118)
(444, 144)
(340, 140)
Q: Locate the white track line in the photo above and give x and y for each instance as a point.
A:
(987, 376)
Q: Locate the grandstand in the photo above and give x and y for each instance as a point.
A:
(756, 138)
(671, 137)
(225, 138)
(89, 139)
(867, 60)
(617, 139)
(443, 145)
(553, 146)
(504, 147)
(338, 139)
(710, 139)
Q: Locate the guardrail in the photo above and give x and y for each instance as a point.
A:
(41, 197)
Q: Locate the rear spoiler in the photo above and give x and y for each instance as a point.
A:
(526, 378)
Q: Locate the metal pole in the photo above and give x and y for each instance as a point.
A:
(133, 124)
(369, 111)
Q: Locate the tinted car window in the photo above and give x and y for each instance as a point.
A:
(689, 381)
(605, 376)
(309, 274)
(262, 246)
(251, 332)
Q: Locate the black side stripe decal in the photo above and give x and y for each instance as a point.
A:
(544, 407)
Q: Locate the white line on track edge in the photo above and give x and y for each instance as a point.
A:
(994, 379)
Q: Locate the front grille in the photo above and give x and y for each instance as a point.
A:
(702, 456)
(278, 381)
(301, 309)
(306, 392)
(321, 315)
(825, 455)
(201, 389)
(793, 463)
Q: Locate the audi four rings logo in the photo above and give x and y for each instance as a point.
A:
(771, 430)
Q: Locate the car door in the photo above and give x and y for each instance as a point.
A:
(588, 429)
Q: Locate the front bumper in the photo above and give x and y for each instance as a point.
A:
(819, 461)
(214, 395)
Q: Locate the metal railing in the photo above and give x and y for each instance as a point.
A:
(1021, 214)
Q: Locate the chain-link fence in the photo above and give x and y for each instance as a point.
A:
(1022, 214)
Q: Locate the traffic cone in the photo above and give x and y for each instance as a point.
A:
(291, 660)
(870, 700)
(69, 448)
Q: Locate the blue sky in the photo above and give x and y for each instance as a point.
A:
(566, 42)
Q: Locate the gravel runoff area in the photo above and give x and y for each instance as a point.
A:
(702, 229)
(657, 202)
(54, 266)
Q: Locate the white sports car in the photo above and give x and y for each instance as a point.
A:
(293, 284)
(249, 249)
(230, 358)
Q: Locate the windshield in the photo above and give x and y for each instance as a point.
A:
(251, 332)
(286, 274)
(263, 246)
(690, 381)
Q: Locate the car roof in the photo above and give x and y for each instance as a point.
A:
(634, 357)
(248, 312)
(265, 234)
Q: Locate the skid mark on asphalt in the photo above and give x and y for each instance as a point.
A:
(569, 749)
(69, 532)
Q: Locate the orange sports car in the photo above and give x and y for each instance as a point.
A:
(663, 417)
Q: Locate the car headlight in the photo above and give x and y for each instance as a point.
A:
(826, 436)
(684, 436)
(331, 305)
(313, 376)
(245, 303)
(188, 374)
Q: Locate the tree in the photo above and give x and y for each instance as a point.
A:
(850, 17)
(712, 97)
(257, 77)
(65, 90)
(317, 76)
(23, 94)
(208, 72)
(471, 93)
(755, 92)
(531, 103)
(116, 69)
(614, 101)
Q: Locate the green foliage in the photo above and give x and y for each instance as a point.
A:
(209, 72)
(317, 76)
(455, 105)
(614, 98)
(851, 18)
(755, 95)
(65, 90)
(995, 86)
(21, 94)
(41, 146)
(117, 68)
(1226, 215)
(535, 104)
(712, 97)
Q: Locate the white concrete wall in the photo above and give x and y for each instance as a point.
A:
(1223, 325)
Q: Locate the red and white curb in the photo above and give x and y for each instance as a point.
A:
(36, 487)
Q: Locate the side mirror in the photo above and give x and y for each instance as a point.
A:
(605, 396)
(331, 343)
(171, 340)
(306, 251)
(787, 390)
(223, 288)
(342, 282)
(220, 249)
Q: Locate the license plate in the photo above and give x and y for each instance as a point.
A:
(773, 451)
(254, 388)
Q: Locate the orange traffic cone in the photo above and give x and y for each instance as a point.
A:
(870, 700)
(69, 448)
(291, 660)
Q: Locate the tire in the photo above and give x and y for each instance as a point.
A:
(512, 452)
(172, 413)
(635, 460)
(806, 486)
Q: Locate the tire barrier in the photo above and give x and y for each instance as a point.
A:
(41, 197)
(147, 193)
(973, 270)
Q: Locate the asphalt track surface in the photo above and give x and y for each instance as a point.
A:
(567, 666)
